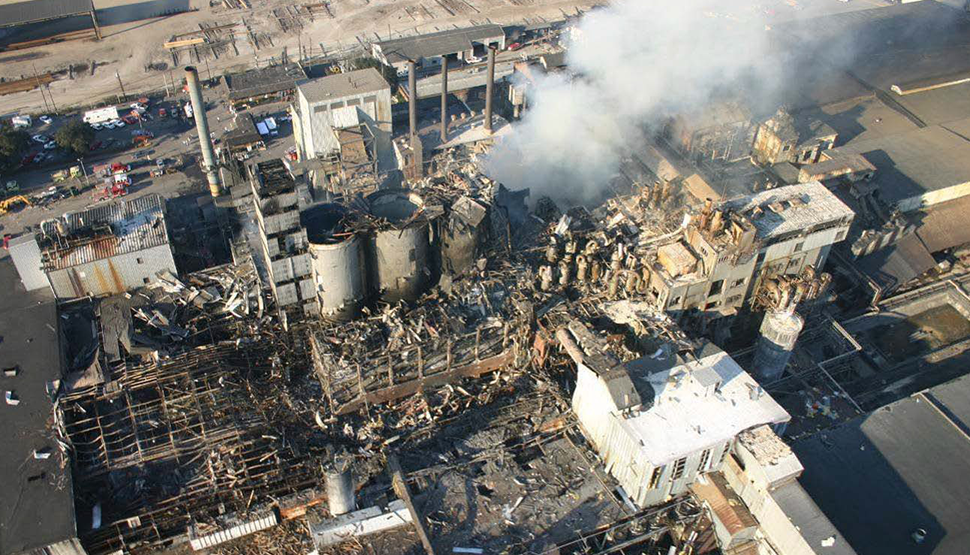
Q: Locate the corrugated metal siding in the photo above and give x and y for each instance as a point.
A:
(66, 547)
(112, 275)
(40, 10)
(238, 531)
(135, 225)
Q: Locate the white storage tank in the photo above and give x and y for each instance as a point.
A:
(399, 248)
(336, 261)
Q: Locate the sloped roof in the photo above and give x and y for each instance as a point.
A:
(21, 13)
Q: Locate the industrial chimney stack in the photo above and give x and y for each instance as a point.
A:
(202, 125)
(444, 99)
(412, 97)
(489, 88)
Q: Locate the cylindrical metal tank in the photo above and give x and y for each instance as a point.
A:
(779, 331)
(340, 489)
(336, 260)
(398, 255)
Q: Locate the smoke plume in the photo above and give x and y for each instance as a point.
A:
(631, 64)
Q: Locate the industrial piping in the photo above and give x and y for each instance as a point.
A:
(489, 86)
(202, 126)
(412, 98)
(444, 99)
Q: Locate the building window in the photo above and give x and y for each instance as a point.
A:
(712, 305)
(786, 148)
(840, 235)
(679, 466)
(320, 108)
(336, 105)
(370, 100)
(139, 261)
(734, 299)
(739, 282)
(353, 102)
(658, 472)
(799, 246)
(675, 301)
(716, 287)
(146, 281)
(761, 258)
(705, 459)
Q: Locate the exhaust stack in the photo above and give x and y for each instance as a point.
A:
(489, 88)
(412, 98)
(202, 126)
(444, 99)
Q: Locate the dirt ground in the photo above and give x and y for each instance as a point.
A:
(128, 48)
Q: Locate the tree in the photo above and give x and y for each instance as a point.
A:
(76, 136)
(13, 143)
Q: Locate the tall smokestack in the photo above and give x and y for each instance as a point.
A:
(444, 99)
(489, 88)
(202, 126)
(412, 97)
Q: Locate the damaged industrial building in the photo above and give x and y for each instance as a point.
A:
(391, 351)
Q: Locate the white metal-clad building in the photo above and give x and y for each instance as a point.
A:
(108, 249)
(345, 100)
(659, 422)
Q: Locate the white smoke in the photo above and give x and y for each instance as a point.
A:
(634, 62)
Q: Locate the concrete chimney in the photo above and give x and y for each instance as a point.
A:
(444, 99)
(202, 126)
(489, 88)
(412, 97)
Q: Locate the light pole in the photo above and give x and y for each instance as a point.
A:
(84, 171)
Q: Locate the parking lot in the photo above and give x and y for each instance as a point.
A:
(174, 141)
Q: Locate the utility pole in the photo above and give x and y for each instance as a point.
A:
(50, 94)
(207, 70)
(37, 80)
(124, 96)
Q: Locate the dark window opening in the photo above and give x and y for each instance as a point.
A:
(716, 287)
(679, 466)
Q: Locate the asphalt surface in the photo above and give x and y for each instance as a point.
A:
(174, 138)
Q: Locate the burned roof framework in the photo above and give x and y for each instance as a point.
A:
(104, 231)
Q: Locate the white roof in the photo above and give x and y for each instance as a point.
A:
(688, 415)
(799, 208)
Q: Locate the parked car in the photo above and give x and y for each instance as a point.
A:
(40, 139)
(514, 46)
(119, 123)
(46, 120)
(50, 145)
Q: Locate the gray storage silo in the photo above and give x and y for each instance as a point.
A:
(399, 248)
(336, 260)
(779, 331)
